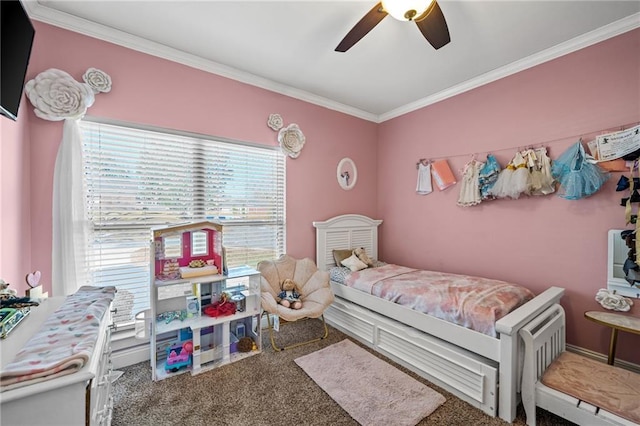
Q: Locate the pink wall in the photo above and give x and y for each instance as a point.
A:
(537, 242)
(15, 209)
(158, 92)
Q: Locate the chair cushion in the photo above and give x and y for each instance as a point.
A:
(611, 388)
(315, 290)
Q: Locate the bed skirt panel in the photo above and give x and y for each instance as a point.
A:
(468, 376)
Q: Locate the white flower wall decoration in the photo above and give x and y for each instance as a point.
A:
(291, 140)
(275, 122)
(57, 96)
(98, 80)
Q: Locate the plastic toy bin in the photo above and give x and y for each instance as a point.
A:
(233, 343)
(143, 324)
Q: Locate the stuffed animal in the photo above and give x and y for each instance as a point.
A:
(6, 292)
(289, 297)
(361, 254)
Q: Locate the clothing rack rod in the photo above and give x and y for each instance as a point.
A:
(537, 144)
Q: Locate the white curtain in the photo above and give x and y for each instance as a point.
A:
(70, 224)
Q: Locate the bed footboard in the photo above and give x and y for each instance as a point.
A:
(508, 328)
(544, 340)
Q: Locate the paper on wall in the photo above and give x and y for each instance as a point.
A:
(617, 144)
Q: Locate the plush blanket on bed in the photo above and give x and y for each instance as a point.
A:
(472, 302)
(64, 343)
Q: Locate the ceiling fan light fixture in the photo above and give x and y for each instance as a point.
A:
(406, 10)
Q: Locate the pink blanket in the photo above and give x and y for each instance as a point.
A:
(64, 343)
(472, 302)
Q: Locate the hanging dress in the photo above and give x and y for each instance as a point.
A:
(577, 176)
(501, 185)
(542, 183)
(470, 189)
(544, 165)
(424, 186)
(488, 176)
(521, 178)
(513, 180)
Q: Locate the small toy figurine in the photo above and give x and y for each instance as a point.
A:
(221, 307)
(289, 297)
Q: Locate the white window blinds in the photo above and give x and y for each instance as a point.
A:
(139, 178)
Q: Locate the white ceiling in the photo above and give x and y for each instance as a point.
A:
(288, 46)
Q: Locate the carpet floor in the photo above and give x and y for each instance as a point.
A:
(267, 389)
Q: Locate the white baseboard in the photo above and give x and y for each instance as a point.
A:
(127, 350)
(125, 357)
(601, 357)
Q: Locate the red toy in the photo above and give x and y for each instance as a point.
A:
(220, 308)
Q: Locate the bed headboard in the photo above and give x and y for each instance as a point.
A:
(345, 232)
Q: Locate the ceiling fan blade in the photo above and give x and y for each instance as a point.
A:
(433, 26)
(366, 24)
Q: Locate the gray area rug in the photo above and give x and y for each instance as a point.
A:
(267, 389)
(373, 392)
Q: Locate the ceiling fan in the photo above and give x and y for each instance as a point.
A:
(425, 13)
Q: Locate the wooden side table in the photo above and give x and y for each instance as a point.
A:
(616, 321)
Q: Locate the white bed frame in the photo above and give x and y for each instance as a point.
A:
(482, 370)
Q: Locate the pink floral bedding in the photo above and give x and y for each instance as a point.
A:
(472, 302)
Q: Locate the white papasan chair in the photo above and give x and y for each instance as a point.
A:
(315, 292)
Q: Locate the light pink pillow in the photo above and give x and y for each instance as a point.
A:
(354, 263)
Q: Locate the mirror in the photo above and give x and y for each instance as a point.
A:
(618, 252)
(347, 173)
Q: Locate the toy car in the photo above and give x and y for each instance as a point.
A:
(178, 356)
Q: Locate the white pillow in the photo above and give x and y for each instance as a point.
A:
(354, 263)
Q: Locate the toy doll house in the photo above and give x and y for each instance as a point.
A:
(197, 306)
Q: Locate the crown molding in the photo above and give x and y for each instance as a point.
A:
(608, 31)
(121, 38)
(80, 25)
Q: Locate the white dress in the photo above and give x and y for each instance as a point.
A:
(424, 185)
(470, 188)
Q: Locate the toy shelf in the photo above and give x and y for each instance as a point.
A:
(201, 321)
(201, 279)
(183, 338)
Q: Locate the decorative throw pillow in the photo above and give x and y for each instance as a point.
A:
(340, 255)
(354, 263)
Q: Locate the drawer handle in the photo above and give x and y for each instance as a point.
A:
(114, 311)
(113, 326)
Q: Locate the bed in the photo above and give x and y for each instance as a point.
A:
(480, 369)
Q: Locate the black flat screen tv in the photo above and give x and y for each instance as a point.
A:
(16, 40)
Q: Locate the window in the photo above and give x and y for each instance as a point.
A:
(199, 245)
(138, 178)
(172, 246)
